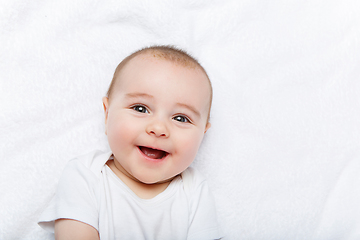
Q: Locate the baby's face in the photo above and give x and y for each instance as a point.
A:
(157, 117)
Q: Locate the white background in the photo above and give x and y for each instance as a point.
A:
(282, 155)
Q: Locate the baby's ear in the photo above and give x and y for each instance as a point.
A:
(208, 125)
(105, 101)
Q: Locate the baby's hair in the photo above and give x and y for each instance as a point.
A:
(166, 52)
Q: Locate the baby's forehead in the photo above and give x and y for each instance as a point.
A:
(139, 60)
(145, 60)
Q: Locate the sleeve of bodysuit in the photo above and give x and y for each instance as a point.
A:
(74, 198)
(203, 218)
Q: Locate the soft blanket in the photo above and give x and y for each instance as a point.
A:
(283, 153)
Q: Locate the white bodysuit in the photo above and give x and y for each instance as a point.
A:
(90, 192)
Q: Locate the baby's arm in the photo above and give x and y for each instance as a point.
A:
(68, 229)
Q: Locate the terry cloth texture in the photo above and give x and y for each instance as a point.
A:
(282, 155)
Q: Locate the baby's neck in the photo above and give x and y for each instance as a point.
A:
(142, 190)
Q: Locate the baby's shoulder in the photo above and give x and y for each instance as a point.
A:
(93, 162)
(192, 179)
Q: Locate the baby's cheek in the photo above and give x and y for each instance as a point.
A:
(117, 132)
(191, 145)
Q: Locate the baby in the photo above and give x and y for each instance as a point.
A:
(156, 114)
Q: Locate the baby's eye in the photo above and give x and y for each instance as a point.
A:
(181, 119)
(140, 108)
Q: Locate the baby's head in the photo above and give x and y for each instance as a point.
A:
(156, 113)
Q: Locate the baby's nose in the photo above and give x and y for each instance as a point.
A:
(158, 129)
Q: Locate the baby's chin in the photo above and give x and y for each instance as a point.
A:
(149, 180)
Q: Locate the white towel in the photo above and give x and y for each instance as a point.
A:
(282, 155)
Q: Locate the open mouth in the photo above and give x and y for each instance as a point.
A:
(153, 153)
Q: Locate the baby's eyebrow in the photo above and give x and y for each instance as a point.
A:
(136, 95)
(189, 107)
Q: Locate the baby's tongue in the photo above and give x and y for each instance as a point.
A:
(152, 153)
